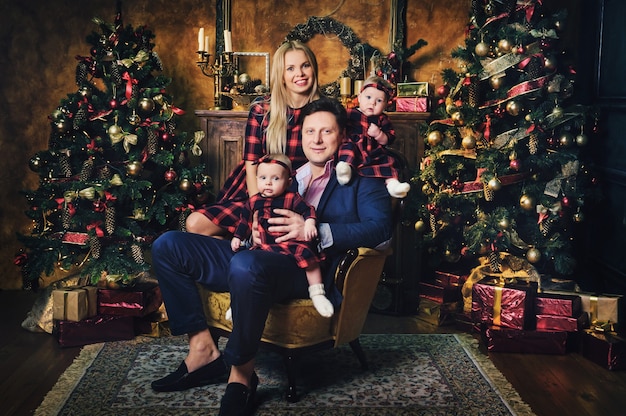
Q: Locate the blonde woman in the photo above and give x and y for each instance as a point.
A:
(272, 127)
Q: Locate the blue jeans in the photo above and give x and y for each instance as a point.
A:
(255, 279)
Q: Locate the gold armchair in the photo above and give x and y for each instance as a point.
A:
(295, 328)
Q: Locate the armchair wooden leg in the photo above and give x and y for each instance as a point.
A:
(291, 394)
(358, 351)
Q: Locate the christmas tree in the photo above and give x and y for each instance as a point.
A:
(504, 168)
(116, 173)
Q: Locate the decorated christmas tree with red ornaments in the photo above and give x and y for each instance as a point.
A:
(116, 173)
(505, 168)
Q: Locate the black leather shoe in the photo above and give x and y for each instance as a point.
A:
(214, 372)
(238, 400)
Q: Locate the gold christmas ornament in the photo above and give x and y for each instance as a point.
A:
(533, 255)
(566, 139)
(504, 223)
(185, 185)
(514, 108)
(114, 130)
(145, 106)
(496, 82)
(451, 108)
(434, 138)
(494, 184)
(134, 168)
(557, 111)
(527, 202)
(420, 226)
(549, 62)
(468, 142)
(481, 49)
(457, 117)
(582, 139)
(504, 45)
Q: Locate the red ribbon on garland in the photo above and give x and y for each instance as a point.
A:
(96, 226)
(129, 84)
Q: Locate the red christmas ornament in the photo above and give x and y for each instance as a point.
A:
(113, 104)
(170, 175)
(515, 164)
(165, 136)
(443, 90)
(565, 201)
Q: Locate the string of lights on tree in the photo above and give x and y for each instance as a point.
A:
(504, 167)
(116, 173)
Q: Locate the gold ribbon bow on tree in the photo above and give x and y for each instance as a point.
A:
(139, 59)
(127, 138)
(196, 150)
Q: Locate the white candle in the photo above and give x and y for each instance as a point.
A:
(206, 44)
(201, 39)
(228, 43)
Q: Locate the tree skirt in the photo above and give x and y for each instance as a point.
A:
(409, 374)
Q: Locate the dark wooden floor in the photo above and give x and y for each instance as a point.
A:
(552, 385)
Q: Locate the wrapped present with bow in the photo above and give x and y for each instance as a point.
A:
(506, 305)
(500, 339)
(137, 300)
(604, 347)
(74, 303)
(437, 313)
(602, 308)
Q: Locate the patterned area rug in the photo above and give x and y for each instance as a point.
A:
(434, 374)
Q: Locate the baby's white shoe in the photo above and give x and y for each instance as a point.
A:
(344, 172)
(229, 314)
(397, 189)
(320, 301)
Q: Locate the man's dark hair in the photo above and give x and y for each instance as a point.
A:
(329, 105)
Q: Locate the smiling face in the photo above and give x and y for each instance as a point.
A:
(372, 101)
(321, 136)
(272, 179)
(298, 75)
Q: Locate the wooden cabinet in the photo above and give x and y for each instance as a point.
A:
(222, 150)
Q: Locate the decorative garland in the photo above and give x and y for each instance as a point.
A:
(360, 53)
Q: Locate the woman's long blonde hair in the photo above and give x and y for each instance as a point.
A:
(276, 135)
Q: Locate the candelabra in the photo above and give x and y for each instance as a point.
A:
(223, 68)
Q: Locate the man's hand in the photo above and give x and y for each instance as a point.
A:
(256, 234)
(290, 224)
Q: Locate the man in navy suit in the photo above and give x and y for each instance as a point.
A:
(354, 215)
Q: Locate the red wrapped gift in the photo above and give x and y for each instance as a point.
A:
(508, 306)
(499, 339)
(604, 348)
(139, 300)
(558, 304)
(93, 330)
(439, 293)
(450, 278)
(412, 104)
(562, 323)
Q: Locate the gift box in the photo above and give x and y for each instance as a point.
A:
(450, 278)
(499, 339)
(558, 304)
(604, 348)
(139, 300)
(439, 293)
(412, 104)
(149, 328)
(562, 323)
(510, 306)
(413, 89)
(74, 303)
(93, 330)
(603, 308)
(436, 313)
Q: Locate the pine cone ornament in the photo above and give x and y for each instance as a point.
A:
(171, 126)
(433, 223)
(494, 262)
(137, 253)
(104, 172)
(153, 142)
(489, 193)
(109, 219)
(116, 77)
(533, 143)
(79, 118)
(66, 217)
(182, 220)
(533, 69)
(81, 73)
(473, 93)
(86, 170)
(96, 246)
(545, 226)
(64, 162)
(157, 61)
